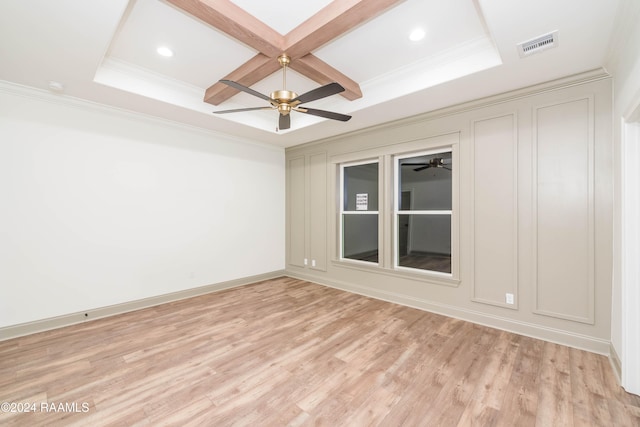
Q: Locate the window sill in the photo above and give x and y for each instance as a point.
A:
(404, 273)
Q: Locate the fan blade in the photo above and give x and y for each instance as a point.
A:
(238, 110)
(245, 89)
(413, 164)
(284, 122)
(321, 92)
(421, 168)
(325, 114)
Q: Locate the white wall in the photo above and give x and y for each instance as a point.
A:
(100, 207)
(624, 64)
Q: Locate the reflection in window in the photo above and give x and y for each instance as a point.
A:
(359, 212)
(423, 211)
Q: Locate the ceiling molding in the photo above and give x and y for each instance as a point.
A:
(467, 58)
(131, 78)
(116, 62)
(329, 23)
(525, 92)
(28, 92)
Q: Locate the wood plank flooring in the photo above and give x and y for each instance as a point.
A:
(288, 352)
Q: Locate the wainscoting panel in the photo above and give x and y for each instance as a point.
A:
(564, 208)
(495, 204)
(296, 211)
(318, 211)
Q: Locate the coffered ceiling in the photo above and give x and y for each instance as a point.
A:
(106, 51)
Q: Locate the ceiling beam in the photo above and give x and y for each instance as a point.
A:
(236, 22)
(329, 23)
(249, 73)
(320, 72)
(335, 19)
(261, 66)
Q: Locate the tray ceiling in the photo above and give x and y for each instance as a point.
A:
(105, 51)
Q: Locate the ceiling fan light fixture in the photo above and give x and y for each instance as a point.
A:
(284, 108)
(417, 34)
(286, 101)
(164, 51)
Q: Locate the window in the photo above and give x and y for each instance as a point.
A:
(359, 212)
(422, 211)
(397, 210)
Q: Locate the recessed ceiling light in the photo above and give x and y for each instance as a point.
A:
(164, 51)
(417, 35)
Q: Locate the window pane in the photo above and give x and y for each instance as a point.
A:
(361, 187)
(425, 182)
(360, 237)
(424, 242)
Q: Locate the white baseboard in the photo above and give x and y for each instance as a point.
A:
(29, 328)
(616, 364)
(558, 336)
(531, 330)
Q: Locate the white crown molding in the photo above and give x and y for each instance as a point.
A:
(466, 58)
(122, 75)
(70, 101)
(133, 79)
(564, 82)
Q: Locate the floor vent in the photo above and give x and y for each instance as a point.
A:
(538, 44)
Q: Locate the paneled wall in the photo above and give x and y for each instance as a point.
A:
(306, 214)
(532, 216)
(495, 209)
(563, 209)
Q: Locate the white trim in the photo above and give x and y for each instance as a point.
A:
(360, 212)
(573, 80)
(397, 211)
(418, 212)
(630, 239)
(14, 331)
(558, 336)
(83, 104)
(342, 212)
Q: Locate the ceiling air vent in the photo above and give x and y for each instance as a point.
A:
(538, 44)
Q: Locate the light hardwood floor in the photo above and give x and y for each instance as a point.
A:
(288, 352)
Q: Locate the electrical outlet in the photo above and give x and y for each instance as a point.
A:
(509, 298)
(306, 261)
(313, 263)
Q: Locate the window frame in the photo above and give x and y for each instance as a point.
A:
(342, 211)
(396, 211)
(384, 155)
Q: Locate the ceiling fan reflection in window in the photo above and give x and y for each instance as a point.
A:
(434, 162)
(286, 101)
